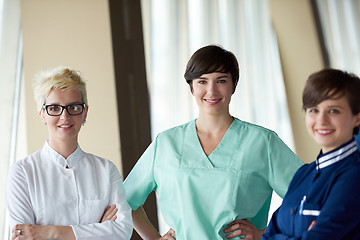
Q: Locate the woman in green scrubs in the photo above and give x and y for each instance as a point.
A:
(213, 176)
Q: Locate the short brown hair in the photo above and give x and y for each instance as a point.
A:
(332, 84)
(209, 59)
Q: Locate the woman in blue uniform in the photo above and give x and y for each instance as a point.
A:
(213, 176)
(323, 198)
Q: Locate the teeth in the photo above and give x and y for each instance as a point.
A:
(212, 101)
(65, 126)
(324, 131)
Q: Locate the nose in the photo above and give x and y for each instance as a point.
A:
(212, 88)
(323, 117)
(64, 114)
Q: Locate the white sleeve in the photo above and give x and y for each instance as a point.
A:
(122, 227)
(18, 198)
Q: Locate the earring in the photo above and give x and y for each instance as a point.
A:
(83, 123)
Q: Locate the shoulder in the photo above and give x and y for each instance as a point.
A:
(29, 161)
(97, 160)
(102, 165)
(254, 133)
(252, 128)
(176, 132)
(24, 167)
(350, 167)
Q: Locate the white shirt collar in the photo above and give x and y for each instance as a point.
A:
(59, 159)
(336, 155)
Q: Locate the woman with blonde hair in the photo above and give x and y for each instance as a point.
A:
(60, 191)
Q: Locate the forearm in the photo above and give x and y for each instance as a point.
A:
(143, 226)
(62, 233)
(43, 232)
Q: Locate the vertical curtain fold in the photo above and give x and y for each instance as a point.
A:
(10, 76)
(340, 24)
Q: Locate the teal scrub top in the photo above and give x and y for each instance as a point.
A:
(199, 195)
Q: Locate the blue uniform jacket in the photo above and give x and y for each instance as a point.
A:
(327, 191)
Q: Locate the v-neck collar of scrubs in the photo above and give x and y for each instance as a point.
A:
(191, 147)
(59, 159)
(327, 159)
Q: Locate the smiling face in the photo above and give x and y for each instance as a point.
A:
(64, 128)
(212, 92)
(331, 123)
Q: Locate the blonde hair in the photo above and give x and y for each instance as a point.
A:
(58, 78)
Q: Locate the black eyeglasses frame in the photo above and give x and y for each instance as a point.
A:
(83, 106)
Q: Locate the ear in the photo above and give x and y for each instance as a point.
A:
(85, 112)
(357, 120)
(42, 116)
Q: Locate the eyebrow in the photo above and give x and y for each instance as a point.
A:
(72, 103)
(219, 77)
(335, 106)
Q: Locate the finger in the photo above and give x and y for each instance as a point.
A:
(240, 221)
(113, 218)
(233, 227)
(111, 208)
(170, 235)
(108, 213)
(15, 235)
(235, 234)
(312, 225)
(172, 231)
(112, 214)
(17, 227)
(240, 224)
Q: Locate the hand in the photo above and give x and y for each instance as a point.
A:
(42, 232)
(109, 214)
(312, 224)
(243, 227)
(29, 231)
(170, 235)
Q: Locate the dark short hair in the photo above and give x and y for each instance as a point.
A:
(332, 84)
(209, 59)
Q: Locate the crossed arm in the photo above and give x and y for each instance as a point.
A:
(43, 232)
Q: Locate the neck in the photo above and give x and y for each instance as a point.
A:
(213, 123)
(64, 148)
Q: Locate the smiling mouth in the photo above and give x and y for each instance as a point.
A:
(65, 126)
(212, 100)
(324, 132)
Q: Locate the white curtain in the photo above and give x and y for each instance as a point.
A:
(175, 29)
(340, 23)
(10, 76)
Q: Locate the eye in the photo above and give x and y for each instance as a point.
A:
(54, 108)
(312, 110)
(202, 81)
(75, 108)
(221, 81)
(334, 111)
